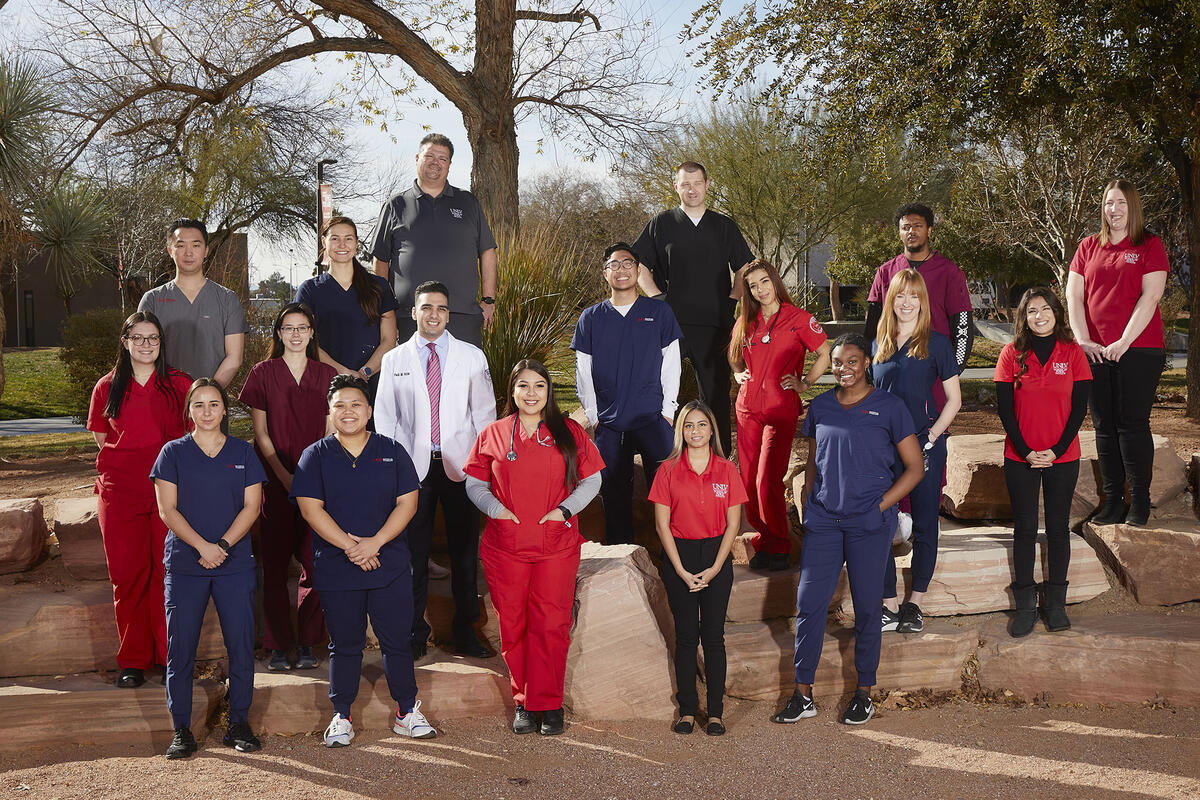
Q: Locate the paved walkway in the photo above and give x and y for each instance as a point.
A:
(25, 427)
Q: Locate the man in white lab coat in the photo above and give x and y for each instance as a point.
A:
(435, 396)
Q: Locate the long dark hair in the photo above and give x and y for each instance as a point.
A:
(750, 307)
(555, 423)
(210, 383)
(1023, 337)
(365, 287)
(277, 339)
(123, 370)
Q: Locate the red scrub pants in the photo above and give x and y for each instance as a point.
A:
(533, 596)
(764, 448)
(283, 535)
(134, 537)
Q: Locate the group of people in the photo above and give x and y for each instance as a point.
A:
(375, 405)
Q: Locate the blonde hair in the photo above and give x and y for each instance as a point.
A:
(1133, 202)
(888, 332)
(714, 441)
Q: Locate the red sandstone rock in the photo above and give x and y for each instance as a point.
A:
(1158, 564)
(22, 534)
(77, 528)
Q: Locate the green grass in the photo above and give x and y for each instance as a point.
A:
(35, 385)
(984, 353)
(45, 445)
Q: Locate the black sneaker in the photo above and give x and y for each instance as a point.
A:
(760, 560)
(239, 736)
(798, 708)
(182, 745)
(860, 709)
(305, 658)
(911, 620)
(131, 678)
(891, 620)
(776, 562)
(279, 661)
(552, 722)
(524, 721)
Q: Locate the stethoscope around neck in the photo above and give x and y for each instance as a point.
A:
(512, 440)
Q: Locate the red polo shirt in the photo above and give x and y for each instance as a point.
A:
(698, 502)
(1042, 404)
(1112, 283)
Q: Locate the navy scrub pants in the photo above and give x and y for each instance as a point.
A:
(390, 610)
(925, 501)
(653, 442)
(860, 542)
(186, 601)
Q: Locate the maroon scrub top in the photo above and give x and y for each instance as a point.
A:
(295, 412)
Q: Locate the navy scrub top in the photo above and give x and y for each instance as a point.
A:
(211, 493)
(360, 499)
(856, 450)
(912, 379)
(342, 328)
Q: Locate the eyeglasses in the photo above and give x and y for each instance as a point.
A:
(288, 330)
(625, 263)
(139, 340)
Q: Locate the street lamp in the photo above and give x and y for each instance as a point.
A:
(321, 180)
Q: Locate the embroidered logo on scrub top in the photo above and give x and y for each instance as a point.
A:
(457, 213)
(645, 319)
(1132, 258)
(386, 460)
(236, 466)
(872, 413)
(816, 326)
(720, 489)
(1060, 367)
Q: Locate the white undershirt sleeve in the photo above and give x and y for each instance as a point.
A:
(585, 388)
(669, 375)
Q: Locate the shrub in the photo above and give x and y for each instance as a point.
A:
(89, 350)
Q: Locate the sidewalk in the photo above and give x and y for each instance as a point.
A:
(25, 427)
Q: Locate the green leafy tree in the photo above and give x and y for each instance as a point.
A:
(275, 286)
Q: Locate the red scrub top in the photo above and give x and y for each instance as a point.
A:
(698, 502)
(791, 333)
(529, 486)
(295, 411)
(147, 421)
(1112, 283)
(1042, 404)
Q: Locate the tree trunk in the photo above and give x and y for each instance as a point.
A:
(3, 327)
(1192, 211)
(491, 125)
(835, 301)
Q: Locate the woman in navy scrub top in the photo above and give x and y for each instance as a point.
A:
(286, 396)
(355, 309)
(856, 435)
(209, 489)
(911, 359)
(358, 491)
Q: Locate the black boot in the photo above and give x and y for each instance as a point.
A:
(1113, 511)
(1139, 511)
(1054, 606)
(1026, 614)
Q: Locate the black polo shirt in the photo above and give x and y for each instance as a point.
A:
(692, 263)
(424, 238)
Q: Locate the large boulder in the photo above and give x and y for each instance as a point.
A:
(22, 534)
(1168, 482)
(1120, 658)
(760, 595)
(1159, 564)
(77, 528)
(619, 665)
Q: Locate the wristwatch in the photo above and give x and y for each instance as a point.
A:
(566, 512)
(491, 301)
(367, 371)
(224, 545)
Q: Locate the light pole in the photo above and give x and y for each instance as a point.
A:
(320, 210)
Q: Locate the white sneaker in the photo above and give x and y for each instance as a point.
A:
(340, 731)
(413, 724)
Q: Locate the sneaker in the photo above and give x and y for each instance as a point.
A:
(524, 721)
(860, 709)
(760, 560)
(305, 658)
(182, 745)
(552, 722)
(891, 619)
(911, 620)
(777, 562)
(131, 678)
(340, 731)
(279, 661)
(413, 724)
(239, 736)
(798, 708)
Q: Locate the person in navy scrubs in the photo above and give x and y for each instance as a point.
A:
(355, 309)
(358, 491)
(911, 361)
(286, 395)
(857, 437)
(209, 490)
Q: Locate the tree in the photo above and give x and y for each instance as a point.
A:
(923, 64)
(142, 65)
(276, 287)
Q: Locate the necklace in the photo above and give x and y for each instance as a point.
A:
(353, 458)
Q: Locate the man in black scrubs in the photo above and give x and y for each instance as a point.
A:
(692, 255)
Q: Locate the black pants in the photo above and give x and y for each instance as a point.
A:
(1057, 483)
(1122, 395)
(707, 348)
(699, 619)
(462, 540)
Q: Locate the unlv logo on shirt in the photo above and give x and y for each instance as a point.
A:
(1060, 367)
(816, 326)
(720, 489)
(457, 213)
(1132, 258)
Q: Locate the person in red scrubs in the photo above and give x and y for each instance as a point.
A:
(1042, 385)
(531, 472)
(286, 395)
(1117, 278)
(771, 339)
(136, 409)
(698, 499)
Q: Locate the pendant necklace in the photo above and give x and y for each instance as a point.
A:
(353, 458)
(767, 336)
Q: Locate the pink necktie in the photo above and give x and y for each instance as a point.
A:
(433, 382)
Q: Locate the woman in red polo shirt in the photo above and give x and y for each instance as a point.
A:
(771, 339)
(1042, 385)
(286, 394)
(697, 498)
(1117, 278)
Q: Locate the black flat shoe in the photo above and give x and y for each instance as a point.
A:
(552, 722)
(684, 726)
(524, 721)
(131, 678)
(472, 648)
(715, 728)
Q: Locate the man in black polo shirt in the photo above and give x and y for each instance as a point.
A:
(433, 231)
(693, 254)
